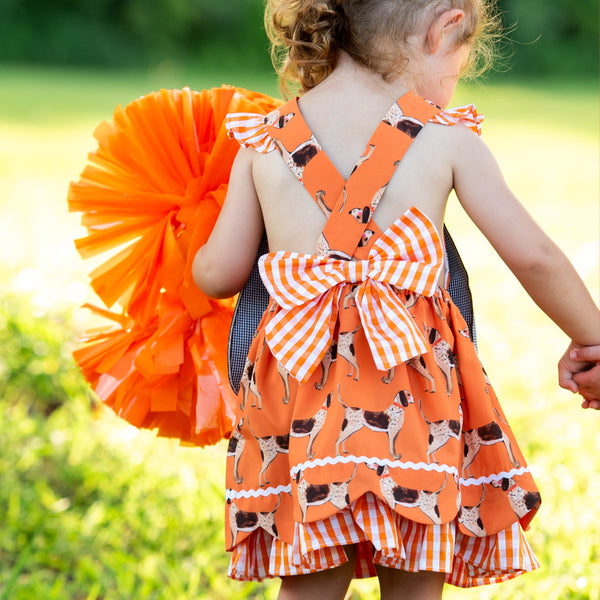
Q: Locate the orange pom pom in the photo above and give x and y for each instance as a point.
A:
(150, 196)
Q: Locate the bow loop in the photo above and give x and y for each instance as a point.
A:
(308, 291)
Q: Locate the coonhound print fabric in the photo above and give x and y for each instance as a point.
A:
(365, 416)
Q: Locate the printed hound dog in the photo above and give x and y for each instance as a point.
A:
(235, 449)
(443, 356)
(270, 446)
(300, 156)
(389, 421)
(310, 494)
(521, 501)
(344, 347)
(441, 432)
(470, 517)
(241, 520)
(486, 435)
(408, 125)
(311, 427)
(395, 494)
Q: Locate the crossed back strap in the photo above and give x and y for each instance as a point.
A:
(349, 204)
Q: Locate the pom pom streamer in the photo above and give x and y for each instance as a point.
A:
(149, 197)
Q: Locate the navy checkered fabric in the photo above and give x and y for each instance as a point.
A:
(252, 303)
(254, 298)
(458, 287)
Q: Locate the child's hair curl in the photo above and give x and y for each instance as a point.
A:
(307, 35)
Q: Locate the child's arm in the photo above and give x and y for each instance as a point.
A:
(222, 266)
(541, 267)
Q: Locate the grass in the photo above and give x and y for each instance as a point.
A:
(93, 509)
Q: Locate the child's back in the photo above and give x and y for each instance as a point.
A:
(343, 112)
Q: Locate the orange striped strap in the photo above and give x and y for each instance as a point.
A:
(250, 129)
(308, 290)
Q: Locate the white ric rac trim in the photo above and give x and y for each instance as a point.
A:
(271, 491)
(399, 464)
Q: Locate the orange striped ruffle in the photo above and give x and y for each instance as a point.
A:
(250, 129)
(385, 538)
(408, 255)
(467, 115)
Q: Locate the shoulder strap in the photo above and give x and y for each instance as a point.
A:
(350, 204)
(304, 156)
(350, 229)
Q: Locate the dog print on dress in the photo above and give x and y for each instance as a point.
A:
(348, 428)
(312, 426)
(470, 517)
(394, 494)
(389, 421)
(246, 522)
(270, 447)
(441, 432)
(486, 435)
(343, 348)
(310, 494)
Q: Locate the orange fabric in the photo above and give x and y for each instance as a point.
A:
(426, 437)
(156, 184)
(387, 539)
(467, 115)
(307, 290)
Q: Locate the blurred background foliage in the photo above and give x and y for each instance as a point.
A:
(93, 509)
(551, 35)
(129, 33)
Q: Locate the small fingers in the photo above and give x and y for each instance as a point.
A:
(565, 376)
(586, 354)
(588, 379)
(594, 404)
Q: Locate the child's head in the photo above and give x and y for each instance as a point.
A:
(382, 35)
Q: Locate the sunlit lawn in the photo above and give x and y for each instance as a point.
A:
(545, 137)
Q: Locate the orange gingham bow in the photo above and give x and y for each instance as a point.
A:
(308, 290)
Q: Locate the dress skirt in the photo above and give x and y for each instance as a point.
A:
(416, 466)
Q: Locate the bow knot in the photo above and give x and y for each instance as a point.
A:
(308, 291)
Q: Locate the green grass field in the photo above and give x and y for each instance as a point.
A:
(92, 509)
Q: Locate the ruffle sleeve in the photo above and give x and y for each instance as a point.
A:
(467, 115)
(250, 131)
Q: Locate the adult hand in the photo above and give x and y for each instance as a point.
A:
(588, 380)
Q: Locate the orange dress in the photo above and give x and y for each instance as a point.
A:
(365, 416)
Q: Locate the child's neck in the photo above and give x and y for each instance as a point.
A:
(350, 73)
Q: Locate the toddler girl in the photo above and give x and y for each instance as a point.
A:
(368, 439)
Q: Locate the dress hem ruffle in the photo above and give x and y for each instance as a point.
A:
(383, 537)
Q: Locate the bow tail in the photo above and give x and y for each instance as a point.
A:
(390, 329)
(299, 337)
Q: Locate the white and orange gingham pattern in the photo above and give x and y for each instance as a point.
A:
(250, 131)
(408, 255)
(385, 538)
(467, 115)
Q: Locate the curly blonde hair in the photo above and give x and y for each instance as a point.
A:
(307, 35)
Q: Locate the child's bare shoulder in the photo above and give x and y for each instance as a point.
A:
(455, 133)
(456, 143)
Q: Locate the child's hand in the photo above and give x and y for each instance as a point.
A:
(588, 380)
(579, 371)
